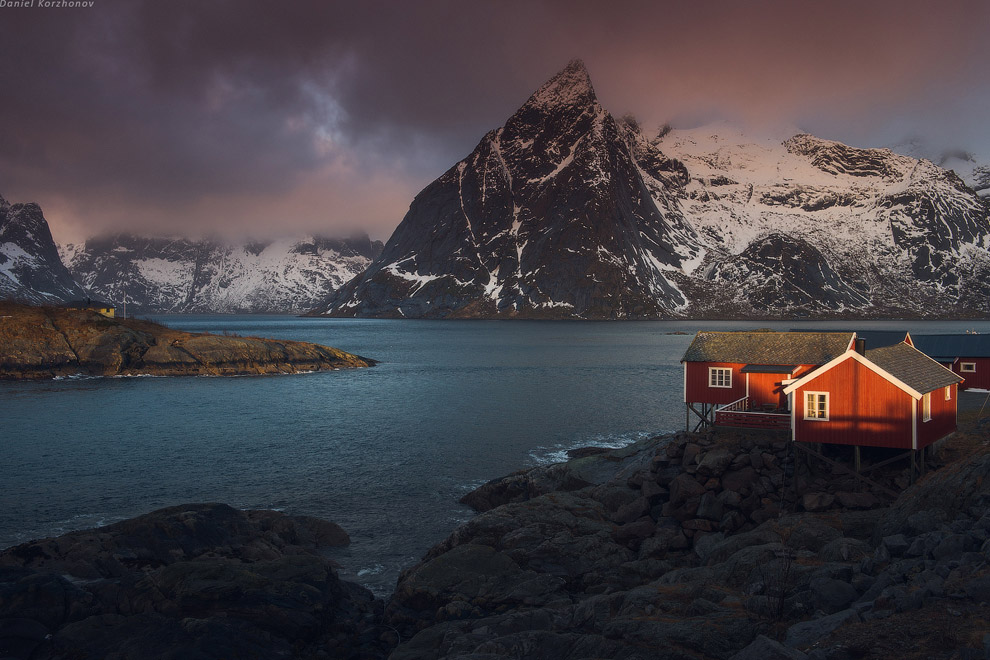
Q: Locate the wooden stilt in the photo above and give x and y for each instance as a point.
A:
(923, 451)
(914, 464)
(857, 463)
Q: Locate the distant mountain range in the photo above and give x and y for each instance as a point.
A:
(181, 276)
(566, 212)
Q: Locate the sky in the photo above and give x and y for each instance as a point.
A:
(275, 117)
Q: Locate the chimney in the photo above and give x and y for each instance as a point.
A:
(861, 346)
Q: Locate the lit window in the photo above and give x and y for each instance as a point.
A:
(967, 367)
(948, 393)
(816, 405)
(718, 377)
(926, 407)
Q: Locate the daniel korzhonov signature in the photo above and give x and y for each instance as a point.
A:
(47, 4)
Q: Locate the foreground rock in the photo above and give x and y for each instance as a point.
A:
(198, 580)
(701, 546)
(44, 342)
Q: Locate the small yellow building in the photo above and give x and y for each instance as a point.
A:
(106, 309)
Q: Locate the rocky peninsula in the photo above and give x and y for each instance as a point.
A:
(717, 545)
(46, 342)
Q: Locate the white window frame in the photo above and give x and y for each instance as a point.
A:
(967, 367)
(811, 412)
(717, 375)
(926, 407)
(948, 392)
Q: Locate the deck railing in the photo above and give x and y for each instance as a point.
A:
(737, 414)
(737, 405)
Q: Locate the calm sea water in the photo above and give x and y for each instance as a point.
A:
(386, 452)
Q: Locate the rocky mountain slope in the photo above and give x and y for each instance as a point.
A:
(566, 212)
(44, 342)
(30, 268)
(184, 276)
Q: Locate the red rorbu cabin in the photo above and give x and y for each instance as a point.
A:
(967, 355)
(895, 397)
(738, 378)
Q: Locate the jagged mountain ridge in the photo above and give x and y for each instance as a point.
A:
(30, 268)
(179, 275)
(549, 216)
(565, 212)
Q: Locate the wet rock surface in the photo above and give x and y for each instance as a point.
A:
(716, 546)
(681, 546)
(44, 342)
(192, 581)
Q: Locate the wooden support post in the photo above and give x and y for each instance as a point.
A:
(914, 463)
(857, 463)
(923, 452)
(687, 417)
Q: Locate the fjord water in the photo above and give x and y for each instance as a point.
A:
(386, 452)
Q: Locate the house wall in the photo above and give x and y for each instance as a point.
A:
(978, 380)
(864, 409)
(766, 389)
(697, 390)
(943, 421)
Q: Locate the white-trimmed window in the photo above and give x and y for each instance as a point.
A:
(948, 393)
(926, 407)
(816, 405)
(967, 367)
(719, 377)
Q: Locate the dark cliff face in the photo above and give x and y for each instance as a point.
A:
(782, 272)
(550, 216)
(30, 268)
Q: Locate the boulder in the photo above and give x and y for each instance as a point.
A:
(856, 500)
(817, 501)
(714, 462)
(740, 481)
(806, 633)
(764, 648)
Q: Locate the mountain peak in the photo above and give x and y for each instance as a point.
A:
(571, 86)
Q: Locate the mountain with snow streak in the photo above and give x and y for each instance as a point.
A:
(30, 268)
(566, 212)
(556, 214)
(812, 226)
(179, 275)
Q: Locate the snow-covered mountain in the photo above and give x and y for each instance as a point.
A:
(30, 268)
(566, 212)
(554, 214)
(182, 275)
(972, 169)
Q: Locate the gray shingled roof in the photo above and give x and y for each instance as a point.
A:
(781, 348)
(912, 367)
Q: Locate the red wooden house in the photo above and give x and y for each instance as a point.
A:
(967, 355)
(825, 387)
(895, 397)
(737, 378)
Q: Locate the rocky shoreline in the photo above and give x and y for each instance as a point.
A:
(48, 342)
(684, 546)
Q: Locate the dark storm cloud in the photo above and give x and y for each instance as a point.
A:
(199, 114)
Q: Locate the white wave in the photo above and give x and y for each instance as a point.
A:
(558, 453)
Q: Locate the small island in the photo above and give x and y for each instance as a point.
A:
(38, 342)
